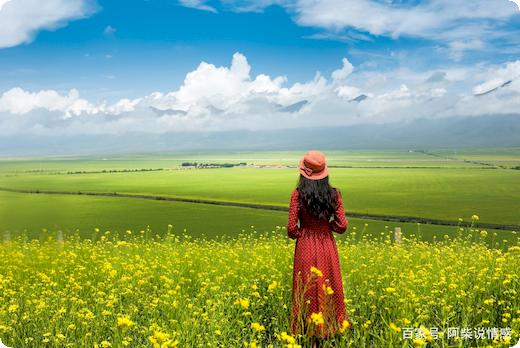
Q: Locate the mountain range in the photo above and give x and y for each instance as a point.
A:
(453, 132)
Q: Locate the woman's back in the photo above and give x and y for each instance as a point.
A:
(310, 223)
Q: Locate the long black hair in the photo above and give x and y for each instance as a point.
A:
(317, 196)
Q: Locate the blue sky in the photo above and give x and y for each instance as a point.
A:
(107, 51)
(156, 43)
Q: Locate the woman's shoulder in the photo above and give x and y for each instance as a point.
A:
(294, 193)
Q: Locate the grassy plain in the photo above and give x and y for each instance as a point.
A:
(356, 158)
(507, 157)
(32, 214)
(493, 194)
(408, 183)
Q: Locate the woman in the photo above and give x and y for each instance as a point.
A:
(316, 209)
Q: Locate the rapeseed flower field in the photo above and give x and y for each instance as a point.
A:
(137, 289)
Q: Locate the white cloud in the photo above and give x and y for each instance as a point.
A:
(2, 3)
(426, 19)
(22, 19)
(348, 92)
(109, 30)
(458, 25)
(228, 97)
(495, 78)
(458, 47)
(198, 4)
(344, 72)
(18, 101)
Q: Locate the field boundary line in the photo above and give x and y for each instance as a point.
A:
(369, 216)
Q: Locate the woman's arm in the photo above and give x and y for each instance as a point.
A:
(340, 222)
(293, 231)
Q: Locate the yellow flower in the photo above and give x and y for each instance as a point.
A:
(489, 301)
(244, 302)
(474, 217)
(328, 290)
(390, 290)
(124, 322)
(394, 327)
(316, 272)
(317, 318)
(257, 327)
(160, 339)
(344, 326)
(286, 338)
(127, 341)
(89, 315)
(105, 344)
(272, 286)
(419, 342)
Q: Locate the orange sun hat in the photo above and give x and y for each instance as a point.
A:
(313, 165)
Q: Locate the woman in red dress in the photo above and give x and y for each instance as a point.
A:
(316, 210)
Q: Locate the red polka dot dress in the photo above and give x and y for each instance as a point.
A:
(320, 290)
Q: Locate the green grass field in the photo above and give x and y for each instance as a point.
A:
(454, 190)
(433, 193)
(165, 160)
(32, 214)
(499, 157)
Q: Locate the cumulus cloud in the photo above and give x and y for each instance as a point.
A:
(22, 19)
(343, 73)
(18, 101)
(228, 97)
